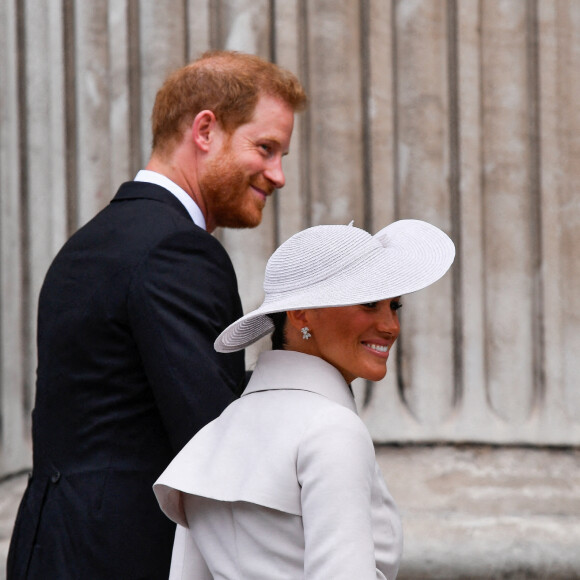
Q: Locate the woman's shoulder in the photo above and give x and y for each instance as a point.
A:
(333, 428)
(330, 416)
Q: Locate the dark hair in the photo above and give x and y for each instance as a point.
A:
(278, 336)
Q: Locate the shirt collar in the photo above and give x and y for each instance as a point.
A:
(290, 370)
(190, 205)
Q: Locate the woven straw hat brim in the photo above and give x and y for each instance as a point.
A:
(404, 257)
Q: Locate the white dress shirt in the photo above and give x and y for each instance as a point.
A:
(283, 485)
(192, 208)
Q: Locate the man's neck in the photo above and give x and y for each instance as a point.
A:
(187, 181)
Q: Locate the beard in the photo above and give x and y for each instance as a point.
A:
(226, 189)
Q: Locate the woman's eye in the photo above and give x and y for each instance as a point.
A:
(395, 305)
(370, 304)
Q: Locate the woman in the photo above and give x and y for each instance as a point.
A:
(284, 484)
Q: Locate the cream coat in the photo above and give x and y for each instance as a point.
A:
(299, 493)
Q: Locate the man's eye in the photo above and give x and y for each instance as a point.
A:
(266, 148)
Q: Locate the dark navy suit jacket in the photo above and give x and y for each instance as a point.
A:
(127, 373)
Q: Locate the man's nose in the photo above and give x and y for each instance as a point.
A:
(275, 173)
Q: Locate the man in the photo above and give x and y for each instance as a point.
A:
(128, 314)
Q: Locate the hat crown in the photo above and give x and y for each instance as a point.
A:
(314, 255)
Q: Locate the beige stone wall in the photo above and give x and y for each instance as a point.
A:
(460, 112)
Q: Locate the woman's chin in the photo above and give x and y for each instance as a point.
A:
(375, 376)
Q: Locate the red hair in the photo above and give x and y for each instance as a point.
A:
(228, 83)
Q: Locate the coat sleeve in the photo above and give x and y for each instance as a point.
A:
(182, 295)
(336, 466)
(187, 562)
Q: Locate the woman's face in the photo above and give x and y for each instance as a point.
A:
(355, 339)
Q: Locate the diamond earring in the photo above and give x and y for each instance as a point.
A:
(305, 332)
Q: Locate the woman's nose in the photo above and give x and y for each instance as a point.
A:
(389, 322)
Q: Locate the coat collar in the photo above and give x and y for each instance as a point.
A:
(143, 190)
(148, 176)
(290, 370)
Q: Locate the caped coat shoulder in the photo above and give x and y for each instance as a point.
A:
(289, 483)
(127, 373)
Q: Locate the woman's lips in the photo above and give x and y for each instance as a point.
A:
(378, 349)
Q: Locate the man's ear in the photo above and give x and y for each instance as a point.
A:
(203, 129)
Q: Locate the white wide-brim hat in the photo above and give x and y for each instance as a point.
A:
(338, 265)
